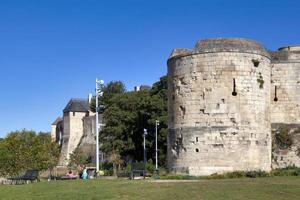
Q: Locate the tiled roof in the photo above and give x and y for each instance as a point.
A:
(57, 121)
(77, 105)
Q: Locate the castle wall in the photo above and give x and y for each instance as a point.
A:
(73, 131)
(210, 130)
(88, 141)
(285, 111)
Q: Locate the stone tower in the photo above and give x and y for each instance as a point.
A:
(219, 107)
(285, 102)
(73, 115)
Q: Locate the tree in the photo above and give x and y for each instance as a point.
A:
(127, 114)
(78, 157)
(23, 150)
(109, 90)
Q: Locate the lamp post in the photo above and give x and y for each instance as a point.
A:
(145, 159)
(156, 150)
(99, 87)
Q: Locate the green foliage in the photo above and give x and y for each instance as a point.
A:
(256, 174)
(216, 176)
(78, 157)
(127, 114)
(260, 81)
(178, 177)
(288, 171)
(109, 90)
(23, 150)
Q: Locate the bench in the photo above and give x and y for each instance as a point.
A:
(140, 172)
(30, 176)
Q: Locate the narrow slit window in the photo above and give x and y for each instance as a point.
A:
(234, 93)
(275, 98)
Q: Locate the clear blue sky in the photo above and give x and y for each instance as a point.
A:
(51, 51)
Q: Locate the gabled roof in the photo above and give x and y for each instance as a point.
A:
(77, 105)
(57, 121)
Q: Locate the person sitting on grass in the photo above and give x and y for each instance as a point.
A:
(71, 175)
(85, 174)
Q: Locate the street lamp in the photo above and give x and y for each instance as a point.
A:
(145, 159)
(156, 150)
(99, 92)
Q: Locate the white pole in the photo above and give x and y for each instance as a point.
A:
(145, 159)
(97, 128)
(156, 162)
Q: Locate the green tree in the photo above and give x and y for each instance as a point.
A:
(78, 157)
(127, 114)
(109, 90)
(23, 150)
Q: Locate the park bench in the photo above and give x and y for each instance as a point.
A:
(138, 169)
(30, 176)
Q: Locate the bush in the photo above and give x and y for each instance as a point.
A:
(108, 172)
(216, 176)
(178, 177)
(150, 167)
(256, 174)
(236, 174)
(288, 171)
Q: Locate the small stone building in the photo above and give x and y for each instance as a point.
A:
(75, 129)
(222, 105)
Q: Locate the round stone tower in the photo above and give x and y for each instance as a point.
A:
(219, 104)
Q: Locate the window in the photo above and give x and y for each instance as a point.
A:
(234, 93)
(275, 99)
(197, 150)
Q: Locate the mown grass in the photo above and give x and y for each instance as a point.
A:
(274, 188)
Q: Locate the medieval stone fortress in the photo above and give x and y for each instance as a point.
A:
(227, 99)
(75, 129)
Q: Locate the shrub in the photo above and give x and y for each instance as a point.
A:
(256, 174)
(288, 171)
(236, 174)
(178, 177)
(216, 176)
(108, 172)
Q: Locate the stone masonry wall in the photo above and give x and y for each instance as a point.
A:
(210, 130)
(73, 132)
(285, 109)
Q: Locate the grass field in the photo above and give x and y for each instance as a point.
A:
(245, 188)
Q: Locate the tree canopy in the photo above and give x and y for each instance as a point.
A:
(23, 150)
(127, 114)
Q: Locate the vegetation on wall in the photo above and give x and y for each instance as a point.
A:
(260, 81)
(282, 138)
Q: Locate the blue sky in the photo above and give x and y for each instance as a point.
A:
(51, 51)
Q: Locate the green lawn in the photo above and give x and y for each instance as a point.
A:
(260, 188)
